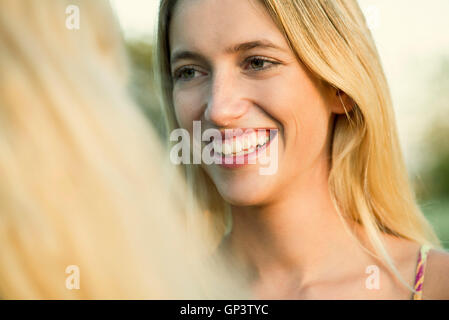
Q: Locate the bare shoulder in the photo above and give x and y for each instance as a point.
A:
(436, 276)
(405, 255)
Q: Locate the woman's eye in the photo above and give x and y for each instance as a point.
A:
(185, 74)
(257, 63)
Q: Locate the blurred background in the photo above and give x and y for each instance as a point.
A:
(413, 42)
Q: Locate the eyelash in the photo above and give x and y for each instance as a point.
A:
(179, 72)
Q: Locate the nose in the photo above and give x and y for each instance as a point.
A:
(226, 102)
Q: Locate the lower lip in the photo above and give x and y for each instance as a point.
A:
(243, 160)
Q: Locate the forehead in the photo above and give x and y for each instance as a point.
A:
(211, 25)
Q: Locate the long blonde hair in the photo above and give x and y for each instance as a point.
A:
(83, 184)
(368, 179)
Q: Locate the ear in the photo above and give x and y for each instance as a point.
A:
(340, 101)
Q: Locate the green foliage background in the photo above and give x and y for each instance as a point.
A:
(432, 180)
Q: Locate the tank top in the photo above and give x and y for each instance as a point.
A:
(420, 269)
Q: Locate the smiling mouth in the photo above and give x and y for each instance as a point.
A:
(238, 149)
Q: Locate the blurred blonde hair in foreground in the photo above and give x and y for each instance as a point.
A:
(83, 181)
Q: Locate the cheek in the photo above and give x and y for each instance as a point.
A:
(313, 128)
(187, 108)
(289, 95)
(312, 116)
(310, 127)
(295, 100)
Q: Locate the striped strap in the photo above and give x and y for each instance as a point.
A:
(420, 268)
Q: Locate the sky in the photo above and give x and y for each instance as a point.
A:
(411, 36)
(137, 17)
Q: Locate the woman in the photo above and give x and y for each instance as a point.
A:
(340, 203)
(87, 210)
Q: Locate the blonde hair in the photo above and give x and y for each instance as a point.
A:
(368, 179)
(83, 181)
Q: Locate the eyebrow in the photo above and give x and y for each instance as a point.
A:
(264, 44)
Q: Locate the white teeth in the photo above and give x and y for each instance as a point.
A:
(253, 138)
(250, 150)
(227, 148)
(237, 146)
(240, 145)
(261, 139)
(246, 143)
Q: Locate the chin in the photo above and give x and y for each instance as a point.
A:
(239, 200)
(244, 194)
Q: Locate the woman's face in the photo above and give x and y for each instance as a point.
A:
(232, 68)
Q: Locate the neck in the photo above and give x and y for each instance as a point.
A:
(300, 232)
